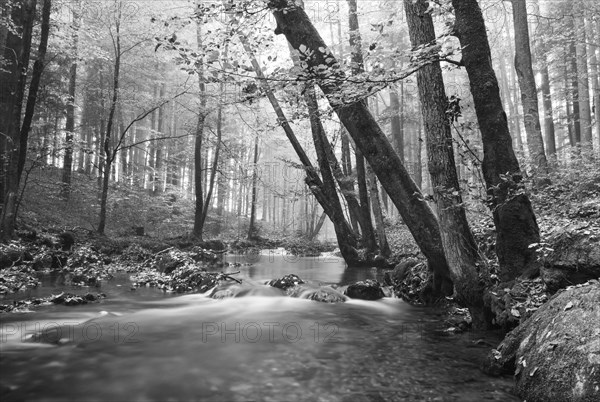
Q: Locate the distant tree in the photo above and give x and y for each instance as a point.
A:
(529, 98)
(70, 124)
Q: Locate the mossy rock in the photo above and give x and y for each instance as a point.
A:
(555, 354)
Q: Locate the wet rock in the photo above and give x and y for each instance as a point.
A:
(555, 354)
(67, 240)
(286, 282)
(365, 290)
(325, 294)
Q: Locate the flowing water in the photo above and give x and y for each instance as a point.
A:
(144, 345)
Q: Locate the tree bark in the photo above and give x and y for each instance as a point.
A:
(252, 231)
(457, 238)
(366, 224)
(594, 70)
(529, 99)
(513, 214)
(198, 139)
(583, 82)
(70, 123)
(384, 247)
(17, 51)
(109, 157)
(158, 157)
(38, 68)
(368, 136)
(574, 75)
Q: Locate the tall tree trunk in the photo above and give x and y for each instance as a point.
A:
(215, 163)
(585, 115)
(457, 238)
(109, 156)
(368, 233)
(529, 99)
(594, 70)
(549, 131)
(575, 76)
(14, 74)
(397, 121)
(569, 101)
(367, 134)
(514, 218)
(38, 68)
(252, 232)
(199, 137)
(159, 145)
(70, 124)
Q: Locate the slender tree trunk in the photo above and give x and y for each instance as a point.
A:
(199, 137)
(397, 121)
(367, 134)
(549, 131)
(514, 218)
(368, 233)
(575, 75)
(594, 72)
(158, 158)
(215, 163)
(529, 99)
(457, 238)
(109, 156)
(569, 101)
(315, 232)
(518, 137)
(70, 124)
(384, 247)
(252, 232)
(344, 232)
(583, 81)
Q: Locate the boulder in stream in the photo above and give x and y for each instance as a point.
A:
(365, 290)
(555, 354)
(286, 282)
(325, 294)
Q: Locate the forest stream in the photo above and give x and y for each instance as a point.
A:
(146, 345)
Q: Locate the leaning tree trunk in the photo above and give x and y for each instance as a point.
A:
(513, 214)
(38, 68)
(529, 99)
(293, 22)
(457, 238)
(344, 233)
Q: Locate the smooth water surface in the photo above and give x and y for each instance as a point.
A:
(145, 346)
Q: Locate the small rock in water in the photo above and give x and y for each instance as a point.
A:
(365, 290)
(286, 282)
(325, 294)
